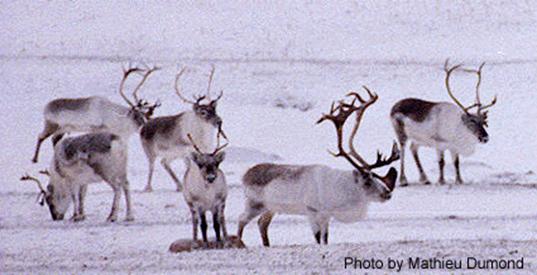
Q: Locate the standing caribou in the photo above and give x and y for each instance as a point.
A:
(206, 190)
(96, 114)
(317, 191)
(166, 136)
(441, 125)
(79, 161)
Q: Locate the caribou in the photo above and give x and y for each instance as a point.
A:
(441, 125)
(166, 137)
(81, 160)
(317, 191)
(97, 114)
(206, 190)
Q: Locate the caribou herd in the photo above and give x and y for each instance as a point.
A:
(99, 154)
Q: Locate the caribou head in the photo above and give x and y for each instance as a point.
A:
(208, 163)
(141, 110)
(475, 122)
(203, 106)
(56, 200)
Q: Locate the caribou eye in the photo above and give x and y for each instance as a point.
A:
(204, 113)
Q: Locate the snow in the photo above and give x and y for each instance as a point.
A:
(280, 67)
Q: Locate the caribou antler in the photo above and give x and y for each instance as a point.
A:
(126, 73)
(381, 161)
(344, 110)
(146, 75)
(478, 104)
(178, 90)
(209, 86)
(216, 150)
(359, 113)
(44, 172)
(210, 82)
(193, 143)
(218, 147)
(42, 193)
(448, 74)
(198, 98)
(480, 107)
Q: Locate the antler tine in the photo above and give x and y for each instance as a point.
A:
(210, 82)
(44, 172)
(126, 73)
(219, 96)
(492, 103)
(194, 144)
(381, 161)
(146, 75)
(177, 90)
(448, 74)
(359, 114)
(218, 147)
(343, 112)
(27, 177)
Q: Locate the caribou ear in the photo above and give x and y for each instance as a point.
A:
(390, 178)
(220, 156)
(195, 156)
(214, 103)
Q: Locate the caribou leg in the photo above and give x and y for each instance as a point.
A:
(423, 177)
(126, 189)
(401, 138)
(441, 163)
(263, 222)
(151, 161)
(252, 210)
(50, 128)
(166, 164)
(115, 204)
(458, 179)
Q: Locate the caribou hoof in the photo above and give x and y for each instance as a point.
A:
(78, 218)
(129, 218)
(441, 182)
(111, 219)
(148, 189)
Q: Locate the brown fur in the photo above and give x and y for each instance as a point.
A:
(89, 143)
(263, 174)
(162, 125)
(413, 108)
(70, 104)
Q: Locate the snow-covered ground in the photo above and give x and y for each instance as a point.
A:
(280, 67)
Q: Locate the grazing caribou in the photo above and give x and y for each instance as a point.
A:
(79, 161)
(317, 191)
(96, 114)
(166, 136)
(441, 125)
(206, 190)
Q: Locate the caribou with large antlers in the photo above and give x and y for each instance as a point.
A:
(317, 191)
(97, 114)
(441, 125)
(166, 136)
